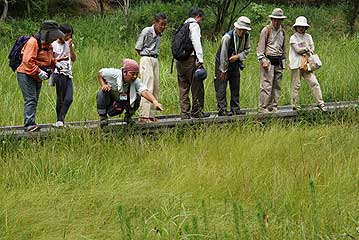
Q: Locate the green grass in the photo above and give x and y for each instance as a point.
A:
(204, 182)
(209, 183)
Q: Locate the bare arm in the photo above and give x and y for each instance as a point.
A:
(146, 94)
(104, 86)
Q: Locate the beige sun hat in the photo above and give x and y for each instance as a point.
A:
(277, 14)
(243, 23)
(301, 21)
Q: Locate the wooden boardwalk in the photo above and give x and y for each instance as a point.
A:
(169, 121)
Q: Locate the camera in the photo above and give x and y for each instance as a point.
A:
(46, 69)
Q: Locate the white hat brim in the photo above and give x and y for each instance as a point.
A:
(236, 25)
(301, 25)
(277, 17)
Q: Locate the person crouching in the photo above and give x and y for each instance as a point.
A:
(121, 90)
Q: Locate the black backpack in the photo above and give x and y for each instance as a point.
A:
(182, 46)
(15, 56)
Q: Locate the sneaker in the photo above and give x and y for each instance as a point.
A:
(185, 116)
(323, 108)
(58, 124)
(238, 112)
(224, 113)
(33, 128)
(201, 115)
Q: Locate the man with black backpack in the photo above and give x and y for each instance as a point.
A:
(234, 49)
(188, 60)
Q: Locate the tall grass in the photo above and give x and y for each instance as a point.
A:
(237, 181)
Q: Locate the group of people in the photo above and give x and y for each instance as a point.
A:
(122, 91)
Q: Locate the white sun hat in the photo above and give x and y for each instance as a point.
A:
(301, 22)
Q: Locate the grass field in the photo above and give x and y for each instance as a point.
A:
(278, 180)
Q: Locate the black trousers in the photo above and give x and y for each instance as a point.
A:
(64, 95)
(233, 77)
(105, 102)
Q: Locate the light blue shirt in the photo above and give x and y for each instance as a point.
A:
(113, 77)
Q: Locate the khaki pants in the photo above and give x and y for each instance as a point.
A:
(270, 87)
(150, 76)
(313, 84)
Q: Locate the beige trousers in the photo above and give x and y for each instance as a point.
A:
(313, 84)
(270, 87)
(150, 76)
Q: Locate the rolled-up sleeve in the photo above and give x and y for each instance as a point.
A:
(224, 59)
(139, 86)
(262, 44)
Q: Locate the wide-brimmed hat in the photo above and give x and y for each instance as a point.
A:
(50, 31)
(277, 14)
(200, 74)
(301, 22)
(243, 23)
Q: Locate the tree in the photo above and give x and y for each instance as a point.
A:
(352, 13)
(5, 10)
(225, 10)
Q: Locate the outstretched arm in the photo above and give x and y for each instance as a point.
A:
(146, 94)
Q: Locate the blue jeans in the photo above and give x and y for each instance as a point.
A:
(64, 95)
(30, 89)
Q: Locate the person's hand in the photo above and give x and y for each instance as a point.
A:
(157, 105)
(223, 76)
(105, 88)
(265, 64)
(234, 58)
(43, 75)
(70, 42)
(198, 64)
(64, 58)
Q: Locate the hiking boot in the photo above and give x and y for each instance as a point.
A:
(201, 115)
(238, 112)
(103, 121)
(224, 113)
(58, 124)
(185, 116)
(33, 128)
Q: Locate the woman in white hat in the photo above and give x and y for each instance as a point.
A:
(302, 45)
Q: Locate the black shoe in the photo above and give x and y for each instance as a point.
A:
(185, 116)
(224, 113)
(128, 118)
(238, 112)
(103, 121)
(201, 115)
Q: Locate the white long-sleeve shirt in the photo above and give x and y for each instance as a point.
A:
(195, 35)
